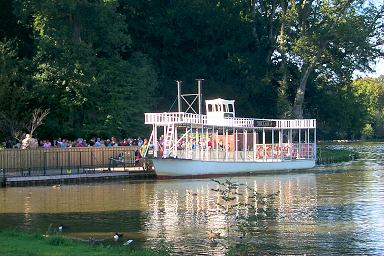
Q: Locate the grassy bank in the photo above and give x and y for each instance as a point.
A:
(327, 155)
(29, 244)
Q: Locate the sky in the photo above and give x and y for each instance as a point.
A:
(379, 68)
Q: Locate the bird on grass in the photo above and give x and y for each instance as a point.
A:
(61, 228)
(213, 235)
(117, 236)
(128, 242)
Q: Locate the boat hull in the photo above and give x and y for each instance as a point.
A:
(174, 167)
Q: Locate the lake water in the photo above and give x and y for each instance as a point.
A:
(337, 209)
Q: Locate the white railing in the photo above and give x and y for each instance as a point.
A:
(167, 118)
(174, 118)
(263, 153)
(243, 122)
(296, 123)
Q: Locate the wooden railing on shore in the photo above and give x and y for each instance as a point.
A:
(46, 161)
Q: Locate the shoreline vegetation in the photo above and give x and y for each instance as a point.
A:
(13, 242)
(327, 155)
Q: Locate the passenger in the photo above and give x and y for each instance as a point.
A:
(25, 142)
(137, 157)
(98, 143)
(144, 148)
(210, 143)
(221, 145)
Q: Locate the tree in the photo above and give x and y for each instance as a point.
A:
(14, 90)
(85, 72)
(371, 91)
(323, 41)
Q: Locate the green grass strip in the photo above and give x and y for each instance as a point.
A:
(31, 244)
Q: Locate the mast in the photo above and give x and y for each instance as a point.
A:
(199, 82)
(178, 95)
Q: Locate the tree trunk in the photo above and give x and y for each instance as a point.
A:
(283, 106)
(300, 93)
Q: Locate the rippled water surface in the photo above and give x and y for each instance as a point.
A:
(336, 209)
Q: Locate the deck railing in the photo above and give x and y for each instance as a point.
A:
(175, 118)
(53, 161)
(266, 152)
(167, 118)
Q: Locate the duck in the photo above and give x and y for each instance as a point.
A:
(212, 235)
(128, 242)
(117, 236)
(61, 228)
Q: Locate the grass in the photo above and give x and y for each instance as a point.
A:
(327, 155)
(31, 244)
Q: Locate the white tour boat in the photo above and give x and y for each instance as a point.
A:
(219, 143)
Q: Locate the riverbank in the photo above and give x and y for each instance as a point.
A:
(20, 243)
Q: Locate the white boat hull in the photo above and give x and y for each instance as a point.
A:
(174, 167)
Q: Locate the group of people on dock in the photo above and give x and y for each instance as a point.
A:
(29, 142)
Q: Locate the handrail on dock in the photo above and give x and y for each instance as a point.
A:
(45, 161)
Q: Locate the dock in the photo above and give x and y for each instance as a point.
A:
(133, 173)
(53, 166)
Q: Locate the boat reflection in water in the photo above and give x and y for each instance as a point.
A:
(184, 211)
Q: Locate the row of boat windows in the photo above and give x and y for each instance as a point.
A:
(220, 108)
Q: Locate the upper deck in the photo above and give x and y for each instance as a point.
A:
(183, 118)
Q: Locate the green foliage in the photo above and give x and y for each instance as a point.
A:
(14, 89)
(84, 71)
(327, 155)
(58, 241)
(371, 91)
(338, 109)
(368, 131)
(99, 65)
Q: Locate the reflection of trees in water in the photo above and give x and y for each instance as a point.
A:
(186, 209)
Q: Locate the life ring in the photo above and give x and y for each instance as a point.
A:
(304, 151)
(286, 150)
(268, 151)
(260, 152)
(294, 152)
(277, 151)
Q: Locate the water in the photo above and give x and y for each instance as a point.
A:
(327, 210)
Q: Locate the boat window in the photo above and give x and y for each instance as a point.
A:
(230, 108)
(218, 107)
(209, 107)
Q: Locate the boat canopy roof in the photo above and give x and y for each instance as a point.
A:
(220, 106)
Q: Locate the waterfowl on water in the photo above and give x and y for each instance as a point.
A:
(212, 235)
(117, 236)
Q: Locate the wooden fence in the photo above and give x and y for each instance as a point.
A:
(53, 161)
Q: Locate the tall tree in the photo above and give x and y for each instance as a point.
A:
(14, 90)
(330, 38)
(86, 73)
(202, 39)
(371, 92)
